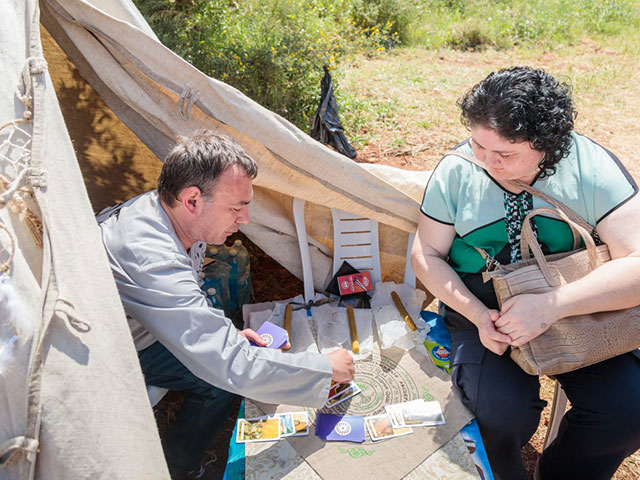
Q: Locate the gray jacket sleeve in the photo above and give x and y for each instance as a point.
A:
(167, 301)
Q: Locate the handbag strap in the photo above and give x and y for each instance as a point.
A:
(519, 184)
(528, 241)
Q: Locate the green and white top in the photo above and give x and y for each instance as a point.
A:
(590, 180)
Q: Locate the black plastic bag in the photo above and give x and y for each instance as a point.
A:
(326, 123)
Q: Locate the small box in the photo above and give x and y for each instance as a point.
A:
(354, 283)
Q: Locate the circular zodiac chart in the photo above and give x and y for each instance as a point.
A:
(383, 382)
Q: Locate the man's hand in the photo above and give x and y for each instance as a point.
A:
(342, 364)
(524, 317)
(491, 338)
(253, 336)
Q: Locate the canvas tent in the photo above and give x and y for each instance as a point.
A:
(72, 399)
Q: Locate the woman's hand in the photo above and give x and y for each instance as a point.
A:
(490, 337)
(524, 317)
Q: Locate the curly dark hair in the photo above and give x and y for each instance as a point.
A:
(524, 104)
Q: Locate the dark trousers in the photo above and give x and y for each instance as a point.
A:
(600, 430)
(203, 412)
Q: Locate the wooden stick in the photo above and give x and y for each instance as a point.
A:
(353, 329)
(403, 311)
(288, 313)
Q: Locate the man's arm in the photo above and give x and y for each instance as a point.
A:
(430, 248)
(613, 286)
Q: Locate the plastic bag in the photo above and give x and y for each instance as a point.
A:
(326, 126)
(392, 328)
(333, 329)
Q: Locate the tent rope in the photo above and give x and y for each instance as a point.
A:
(15, 151)
(11, 447)
(5, 267)
(66, 308)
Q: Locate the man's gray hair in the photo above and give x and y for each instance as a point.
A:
(199, 159)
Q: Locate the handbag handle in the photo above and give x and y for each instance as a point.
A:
(529, 243)
(518, 184)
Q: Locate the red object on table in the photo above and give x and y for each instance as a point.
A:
(355, 283)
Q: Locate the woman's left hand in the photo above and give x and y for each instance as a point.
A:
(524, 317)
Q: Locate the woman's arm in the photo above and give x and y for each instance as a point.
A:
(430, 248)
(613, 286)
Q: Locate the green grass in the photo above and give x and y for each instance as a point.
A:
(505, 23)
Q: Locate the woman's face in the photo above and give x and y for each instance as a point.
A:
(505, 159)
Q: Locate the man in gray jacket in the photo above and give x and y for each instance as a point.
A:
(155, 244)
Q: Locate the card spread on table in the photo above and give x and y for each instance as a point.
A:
(260, 429)
(416, 413)
(300, 423)
(379, 427)
(337, 388)
(286, 424)
(340, 428)
(343, 391)
(273, 335)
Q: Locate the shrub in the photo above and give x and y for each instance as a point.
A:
(390, 18)
(271, 51)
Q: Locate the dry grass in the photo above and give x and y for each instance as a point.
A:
(400, 109)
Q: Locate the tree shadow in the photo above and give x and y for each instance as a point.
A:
(115, 164)
(106, 157)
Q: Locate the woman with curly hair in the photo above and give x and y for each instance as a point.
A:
(521, 125)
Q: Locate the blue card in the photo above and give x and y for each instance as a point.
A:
(340, 428)
(275, 336)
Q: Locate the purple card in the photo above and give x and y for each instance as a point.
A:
(340, 428)
(275, 336)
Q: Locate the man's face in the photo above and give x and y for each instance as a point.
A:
(226, 207)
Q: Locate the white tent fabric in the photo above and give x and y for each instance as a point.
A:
(73, 391)
(159, 95)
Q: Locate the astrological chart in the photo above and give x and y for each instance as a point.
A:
(383, 382)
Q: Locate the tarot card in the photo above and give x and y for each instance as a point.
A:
(346, 394)
(338, 388)
(286, 424)
(300, 423)
(273, 335)
(340, 428)
(423, 414)
(261, 429)
(379, 427)
(395, 412)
